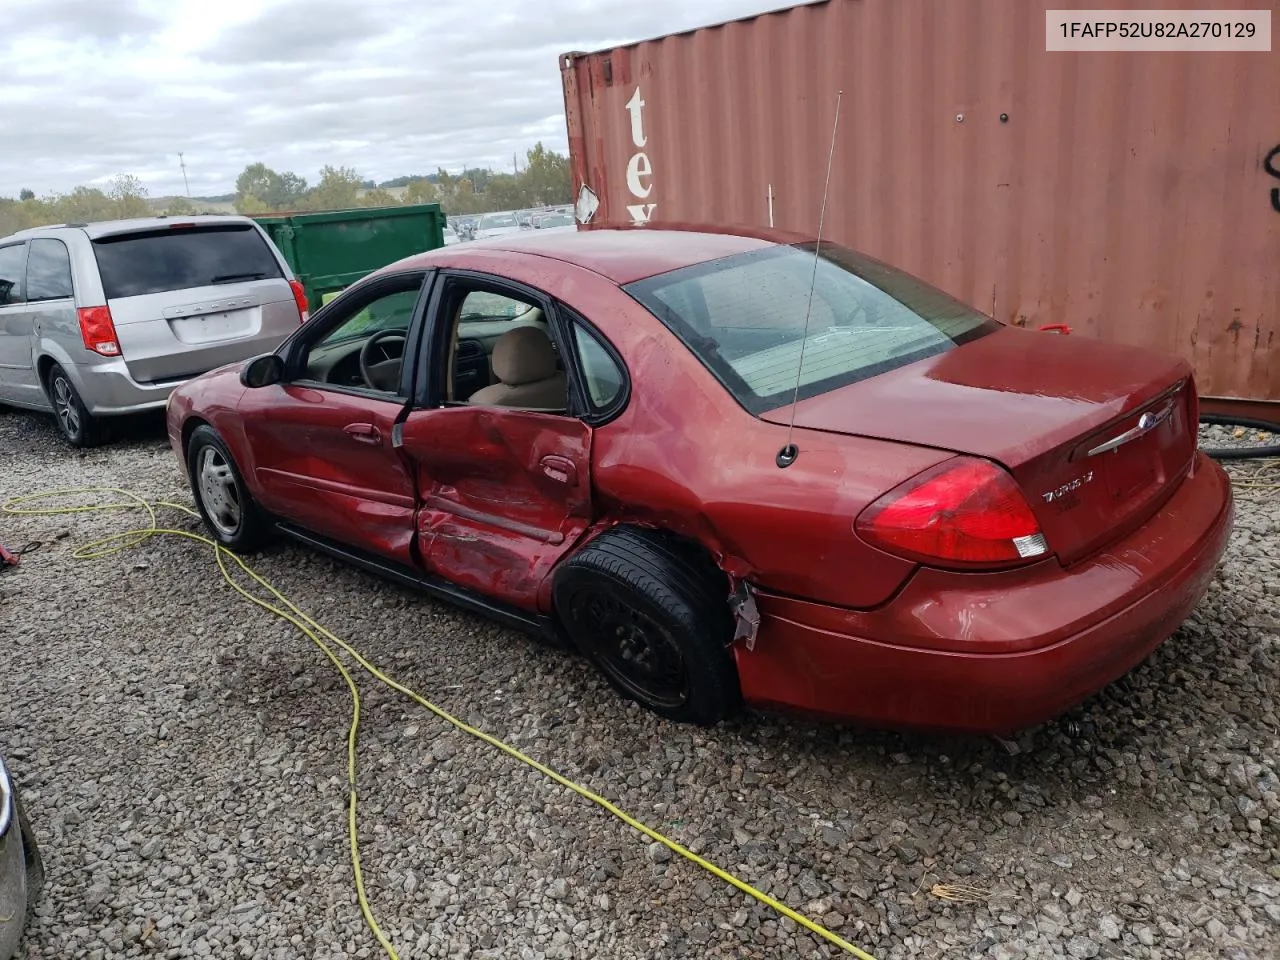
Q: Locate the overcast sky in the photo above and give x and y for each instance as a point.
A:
(94, 88)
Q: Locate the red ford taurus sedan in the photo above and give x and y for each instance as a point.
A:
(732, 469)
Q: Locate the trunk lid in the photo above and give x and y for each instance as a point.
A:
(186, 299)
(1097, 435)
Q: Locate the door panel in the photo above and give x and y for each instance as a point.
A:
(505, 494)
(324, 460)
(18, 379)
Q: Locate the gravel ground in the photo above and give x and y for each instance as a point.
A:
(182, 757)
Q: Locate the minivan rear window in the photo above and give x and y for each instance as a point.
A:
(175, 258)
(781, 322)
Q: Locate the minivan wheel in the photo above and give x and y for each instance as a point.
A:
(76, 423)
(652, 613)
(226, 506)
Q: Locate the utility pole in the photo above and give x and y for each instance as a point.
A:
(183, 163)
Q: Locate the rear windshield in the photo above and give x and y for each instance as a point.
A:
(744, 317)
(134, 264)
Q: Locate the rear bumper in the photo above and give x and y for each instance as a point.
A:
(107, 389)
(996, 653)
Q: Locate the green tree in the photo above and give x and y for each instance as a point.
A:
(129, 196)
(546, 177)
(379, 197)
(420, 191)
(180, 207)
(506, 192)
(82, 205)
(292, 190)
(338, 189)
(26, 194)
(250, 206)
(279, 191)
(258, 180)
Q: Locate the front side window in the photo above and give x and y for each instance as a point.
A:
(180, 257)
(749, 318)
(365, 350)
(13, 261)
(48, 271)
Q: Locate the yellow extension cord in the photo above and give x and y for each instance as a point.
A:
(318, 634)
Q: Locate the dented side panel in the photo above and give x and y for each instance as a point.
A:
(504, 495)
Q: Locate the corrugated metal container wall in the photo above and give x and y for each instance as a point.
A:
(1132, 195)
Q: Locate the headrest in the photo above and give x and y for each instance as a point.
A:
(524, 355)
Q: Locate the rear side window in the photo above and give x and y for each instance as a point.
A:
(136, 264)
(48, 271)
(12, 260)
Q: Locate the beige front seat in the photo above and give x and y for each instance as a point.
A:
(525, 361)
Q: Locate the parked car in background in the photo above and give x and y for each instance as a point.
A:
(496, 225)
(103, 319)
(450, 235)
(555, 221)
(21, 866)
(730, 469)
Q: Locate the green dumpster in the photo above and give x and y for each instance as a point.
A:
(329, 251)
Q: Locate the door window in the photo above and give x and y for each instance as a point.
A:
(48, 271)
(502, 352)
(12, 260)
(363, 348)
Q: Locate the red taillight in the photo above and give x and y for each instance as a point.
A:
(98, 331)
(965, 512)
(300, 295)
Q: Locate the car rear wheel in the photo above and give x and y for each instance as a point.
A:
(652, 613)
(225, 504)
(80, 427)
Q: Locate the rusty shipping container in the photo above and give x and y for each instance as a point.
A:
(1134, 196)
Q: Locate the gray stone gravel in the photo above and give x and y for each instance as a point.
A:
(182, 757)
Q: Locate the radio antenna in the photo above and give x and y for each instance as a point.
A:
(787, 455)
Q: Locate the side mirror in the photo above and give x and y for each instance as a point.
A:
(262, 371)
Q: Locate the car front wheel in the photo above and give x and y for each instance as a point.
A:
(652, 613)
(225, 504)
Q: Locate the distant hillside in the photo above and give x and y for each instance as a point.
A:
(201, 204)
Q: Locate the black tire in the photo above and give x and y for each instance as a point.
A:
(229, 511)
(1241, 453)
(31, 855)
(77, 425)
(652, 613)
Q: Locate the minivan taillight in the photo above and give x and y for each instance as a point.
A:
(300, 296)
(98, 331)
(966, 513)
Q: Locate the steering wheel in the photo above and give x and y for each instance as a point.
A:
(383, 374)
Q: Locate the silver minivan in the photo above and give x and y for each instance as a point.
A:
(103, 319)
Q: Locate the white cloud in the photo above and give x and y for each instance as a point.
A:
(90, 89)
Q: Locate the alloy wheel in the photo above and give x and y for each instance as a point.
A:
(219, 492)
(65, 406)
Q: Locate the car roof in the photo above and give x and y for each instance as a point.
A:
(624, 254)
(107, 228)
